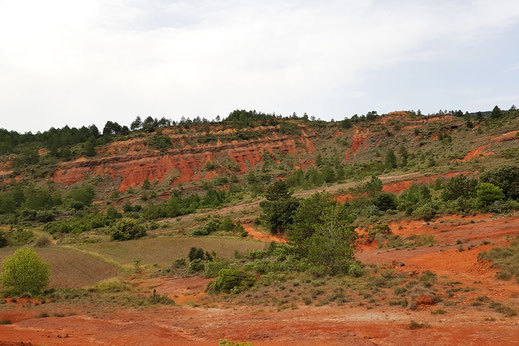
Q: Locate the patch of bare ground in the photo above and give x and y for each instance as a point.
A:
(458, 242)
(304, 326)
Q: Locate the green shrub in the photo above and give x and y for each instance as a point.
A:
(196, 265)
(426, 212)
(44, 216)
(81, 196)
(379, 228)
(506, 178)
(384, 201)
(161, 142)
(17, 237)
(459, 186)
(212, 268)
(196, 253)
(3, 239)
(127, 229)
(24, 271)
(232, 280)
(42, 242)
(227, 224)
(488, 193)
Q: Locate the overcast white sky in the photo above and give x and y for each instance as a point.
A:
(83, 62)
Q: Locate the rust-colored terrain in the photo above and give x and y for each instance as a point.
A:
(460, 308)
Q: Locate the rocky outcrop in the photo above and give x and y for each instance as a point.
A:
(133, 161)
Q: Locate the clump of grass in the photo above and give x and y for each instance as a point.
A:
(2, 322)
(428, 278)
(506, 259)
(401, 302)
(224, 342)
(417, 325)
(438, 312)
(505, 310)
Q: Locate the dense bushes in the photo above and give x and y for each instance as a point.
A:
(488, 193)
(506, 178)
(79, 223)
(80, 197)
(161, 142)
(127, 229)
(459, 187)
(232, 280)
(217, 224)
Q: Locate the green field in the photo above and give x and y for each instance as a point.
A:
(164, 250)
(71, 268)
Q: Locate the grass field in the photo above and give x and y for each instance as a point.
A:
(71, 268)
(164, 250)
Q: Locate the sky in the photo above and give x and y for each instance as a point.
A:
(68, 62)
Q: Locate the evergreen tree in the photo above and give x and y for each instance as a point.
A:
(496, 112)
(404, 155)
(279, 208)
(136, 124)
(391, 159)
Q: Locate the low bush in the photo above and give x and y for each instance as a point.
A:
(379, 228)
(25, 271)
(232, 280)
(42, 242)
(426, 212)
(127, 229)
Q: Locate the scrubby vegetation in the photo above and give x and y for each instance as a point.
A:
(506, 259)
(195, 227)
(24, 271)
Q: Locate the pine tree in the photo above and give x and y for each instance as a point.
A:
(391, 159)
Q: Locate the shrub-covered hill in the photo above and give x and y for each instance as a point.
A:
(207, 163)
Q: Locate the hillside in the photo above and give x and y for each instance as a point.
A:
(379, 229)
(218, 154)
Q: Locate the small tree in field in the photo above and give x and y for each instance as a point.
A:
(127, 229)
(391, 159)
(279, 208)
(25, 271)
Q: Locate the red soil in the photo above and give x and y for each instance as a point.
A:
(475, 153)
(403, 185)
(307, 325)
(358, 139)
(255, 234)
(133, 162)
(480, 151)
(445, 258)
(304, 326)
(345, 198)
(181, 290)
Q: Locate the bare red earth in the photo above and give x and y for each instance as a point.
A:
(255, 234)
(133, 162)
